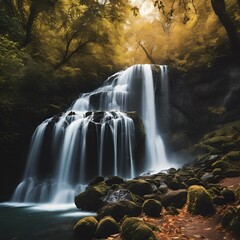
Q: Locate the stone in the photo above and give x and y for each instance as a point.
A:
(228, 195)
(139, 187)
(199, 201)
(107, 227)
(135, 229)
(152, 208)
(91, 199)
(119, 209)
(114, 180)
(85, 228)
(175, 198)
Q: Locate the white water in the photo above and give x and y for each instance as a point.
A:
(72, 154)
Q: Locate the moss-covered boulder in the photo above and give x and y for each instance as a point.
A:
(232, 156)
(228, 195)
(152, 207)
(114, 180)
(106, 227)
(85, 228)
(237, 192)
(135, 229)
(139, 187)
(231, 220)
(91, 199)
(120, 209)
(175, 198)
(199, 201)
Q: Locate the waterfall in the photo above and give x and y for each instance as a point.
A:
(96, 136)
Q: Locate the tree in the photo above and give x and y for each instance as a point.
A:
(219, 7)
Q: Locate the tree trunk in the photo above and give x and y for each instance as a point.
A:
(220, 10)
(148, 55)
(31, 18)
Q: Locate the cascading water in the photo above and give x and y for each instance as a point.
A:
(96, 136)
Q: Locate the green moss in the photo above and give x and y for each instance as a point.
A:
(135, 229)
(139, 187)
(228, 195)
(152, 207)
(232, 156)
(90, 200)
(217, 171)
(216, 141)
(119, 209)
(199, 201)
(86, 227)
(106, 227)
(221, 164)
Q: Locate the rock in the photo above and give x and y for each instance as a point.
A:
(228, 195)
(237, 192)
(219, 200)
(85, 228)
(221, 164)
(152, 208)
(120, 195)
(135, 229)
(172, 210)
(163, 187)
(106, 227)
(207, 177)
(174, 184)
(114, 180)
(175, 198)
(193, 181)
(217, 171)
(199, 201)
(227, 217)
(232, 173)
(96, 181)
(232, 156)
(119, 209)
(90, 200)
(140, 187)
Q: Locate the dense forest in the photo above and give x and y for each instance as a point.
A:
(53, 50)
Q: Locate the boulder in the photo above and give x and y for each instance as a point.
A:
(140, 187)
(135, 229)
(175, 198)
(91, 199)
(152, 208)
(228, 195)
(106, 227)
(120, 195)
(120, 209)
(199, 201)
(85, 228)
(114, 180)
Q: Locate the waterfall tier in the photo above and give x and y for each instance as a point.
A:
(100, 134)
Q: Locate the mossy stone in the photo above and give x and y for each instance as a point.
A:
(237, 192)
(85, 228)
(90, 200)
(232, 156)
(217, 171)
(119, 209)
(199, 201)
(221, 164)
(140, 187)
(193, 181)
(228, 195)
(135, 229)
(227, 218)
(152, 208)
(106, 227)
